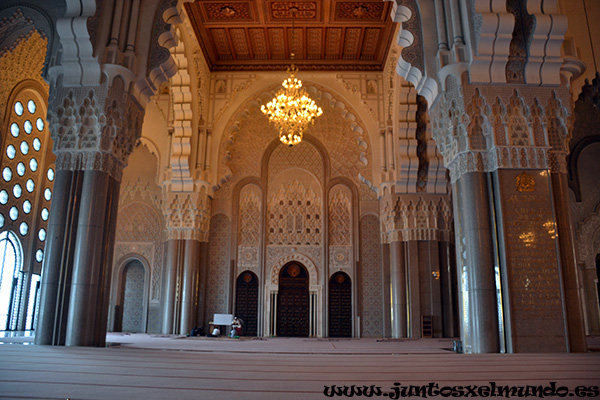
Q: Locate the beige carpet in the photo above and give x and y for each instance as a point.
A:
(169, 367)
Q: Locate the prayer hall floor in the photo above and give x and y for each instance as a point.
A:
(147, 367)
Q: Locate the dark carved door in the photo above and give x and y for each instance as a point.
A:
(292, 301)
(246, 302)
(340, 305)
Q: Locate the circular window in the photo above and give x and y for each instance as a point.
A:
(39, 255)
(37, 144)
(19, 108)
(45, 214)
(33, 164)
(1, 220)
(47, 194)
(50, 174)
(39, 124)
(30, 185)
(31, 106)
(14, 129)
(42, 235)
(13, 213)
(7, 174)
(26, 206)
(24, 148)
(21, 169)
(11, 152)
(17, 190)
(28, 127)
(23, 228)
(3, 196)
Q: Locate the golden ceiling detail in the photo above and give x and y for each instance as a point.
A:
(258, 34)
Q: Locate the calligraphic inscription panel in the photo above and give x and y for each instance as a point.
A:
(532, 267)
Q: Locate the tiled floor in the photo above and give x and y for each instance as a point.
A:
(168, 367)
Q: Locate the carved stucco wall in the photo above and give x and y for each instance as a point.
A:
(218, 274)
(249, 134)
(140, 228)
(249, 229)
(370, 278)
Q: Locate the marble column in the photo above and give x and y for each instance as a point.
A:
(414, 263)
(476, 223)
(398, 290)
(203, 267)
(386, 284)
(172, 258)
(575, 323)
(449, 291)
(57, 266)
(86, 324)
(189, 292)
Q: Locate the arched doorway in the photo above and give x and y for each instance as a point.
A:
(293, 301)
(133, 297)
(246, 301)
(340, 305)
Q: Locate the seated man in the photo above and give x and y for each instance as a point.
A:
(215, 333)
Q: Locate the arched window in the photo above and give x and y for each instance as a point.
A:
(11, 262)
(27, 175)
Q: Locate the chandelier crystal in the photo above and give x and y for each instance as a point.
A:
(291, 110)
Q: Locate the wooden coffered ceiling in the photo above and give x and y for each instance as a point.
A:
(328, 34)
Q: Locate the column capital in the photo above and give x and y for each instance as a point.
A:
(187, 214)
(485, 128)
(416, 217)
(94, 127)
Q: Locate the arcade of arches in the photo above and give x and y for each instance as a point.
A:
(450, 185)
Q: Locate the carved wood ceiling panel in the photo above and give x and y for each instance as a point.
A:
(327, 35)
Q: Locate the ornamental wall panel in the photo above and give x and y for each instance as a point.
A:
(370, 278)
(218, 274)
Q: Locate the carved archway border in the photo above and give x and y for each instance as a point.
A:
(411, 62)
(588, 233)
(299, 257)
(265, 96)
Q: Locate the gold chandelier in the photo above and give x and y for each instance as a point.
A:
(291, 110)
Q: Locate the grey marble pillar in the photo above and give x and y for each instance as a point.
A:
(189, 293)
(170, 285)
(57, 266)
(86, 324)
(203, 266)
(575, 324)
(387, 309)
(449, 291)
(414, 263)
(398, 290)
(476, 220)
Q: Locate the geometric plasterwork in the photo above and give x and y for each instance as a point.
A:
(502, 128)
(588, 240)
(139, 232)
(405, 218)
(187, 215)
(24, 60)
(294, 216)
(277, 261)
(340, 230)
(94, 128)
(249, 134)
(371, 278)
(249, 229)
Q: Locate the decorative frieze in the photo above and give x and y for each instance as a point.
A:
(187, 215)
(94, 128)
(406, 218)
(526, 130)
